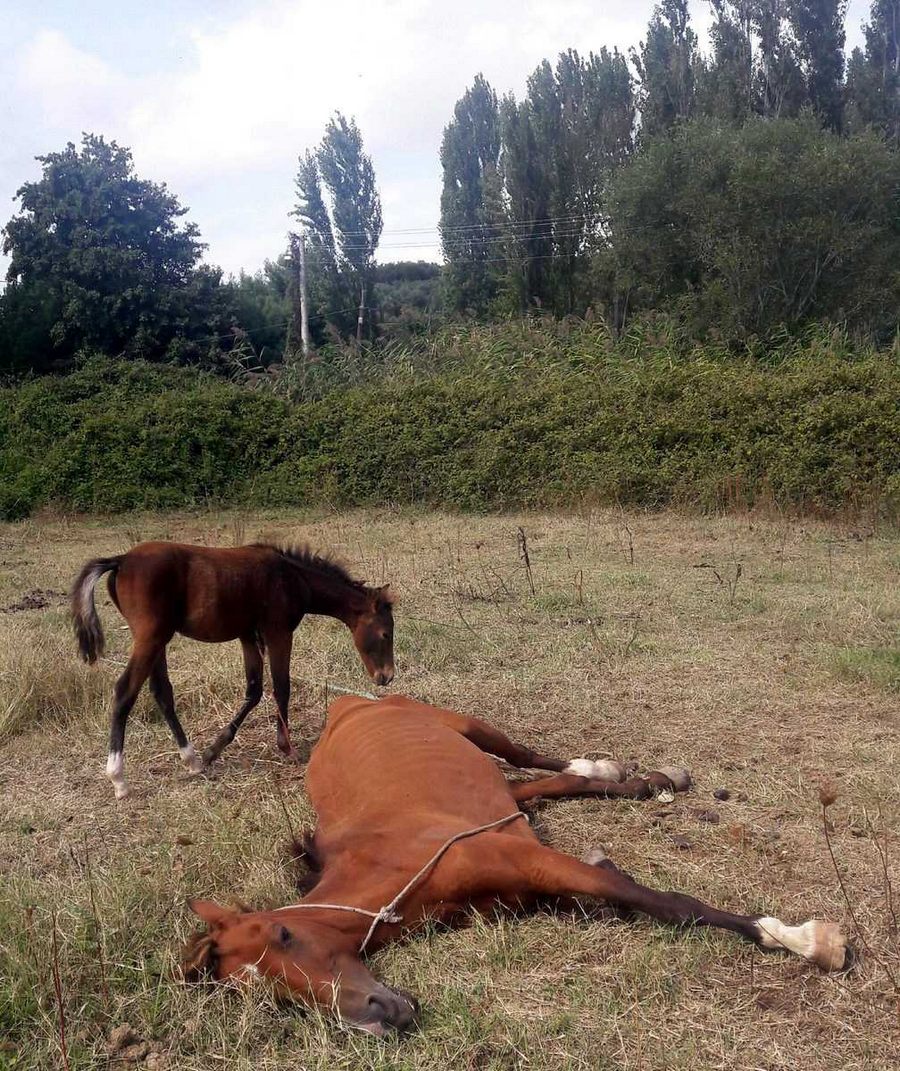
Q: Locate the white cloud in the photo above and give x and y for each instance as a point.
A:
(229, 104)
(65, 83)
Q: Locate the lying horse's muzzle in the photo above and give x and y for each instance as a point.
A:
(390, 1009)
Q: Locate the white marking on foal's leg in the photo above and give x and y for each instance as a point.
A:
(820, 942)
(190, 758)
(115, 771)
(602, 770)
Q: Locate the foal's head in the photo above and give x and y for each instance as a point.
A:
(373, 634)
(306, 959)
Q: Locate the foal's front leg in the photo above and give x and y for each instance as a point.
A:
(280, 664)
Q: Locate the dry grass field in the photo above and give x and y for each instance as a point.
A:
(763, 655)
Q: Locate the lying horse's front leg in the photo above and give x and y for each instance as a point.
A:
(545, 871)
(253, 668)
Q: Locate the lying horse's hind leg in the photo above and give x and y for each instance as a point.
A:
(550, 872)
(570, 785)
(161, 690)
(144, 654)
(253, 668)
(491, 740)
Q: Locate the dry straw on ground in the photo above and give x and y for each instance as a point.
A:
(778, 679)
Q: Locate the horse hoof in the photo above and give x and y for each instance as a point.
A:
(121, 791)
(678, 775)
(192, 760)
(599, 770)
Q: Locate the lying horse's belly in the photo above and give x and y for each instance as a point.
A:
(381, 764)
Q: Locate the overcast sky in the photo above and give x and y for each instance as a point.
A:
(217, 98)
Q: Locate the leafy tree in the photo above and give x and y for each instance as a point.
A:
(342, 242)
(263, 309)
(355, 204)
(779, 86)
(104, 260)
(818, 29)
(470, 200)
(776, 222)
(560, 147)
(726, 87)
(666, 64)
(873, 74)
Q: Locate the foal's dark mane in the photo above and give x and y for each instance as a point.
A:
(323, 564)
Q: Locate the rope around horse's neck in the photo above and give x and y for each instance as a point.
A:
(387, 913)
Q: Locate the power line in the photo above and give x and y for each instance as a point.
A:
(509, 223)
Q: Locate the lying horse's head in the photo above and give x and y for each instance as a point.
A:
(373, 634)
(308, 959)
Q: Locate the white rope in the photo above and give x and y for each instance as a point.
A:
(341, 690)
(388, 913)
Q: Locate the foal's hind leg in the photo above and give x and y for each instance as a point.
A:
(161, 690)
(144, 654)
(253, 668)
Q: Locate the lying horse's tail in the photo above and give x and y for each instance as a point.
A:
(85, 621)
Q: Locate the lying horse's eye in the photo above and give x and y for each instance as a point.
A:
(285, 937)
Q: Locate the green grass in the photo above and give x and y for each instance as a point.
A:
(745, 695)
(878, 666)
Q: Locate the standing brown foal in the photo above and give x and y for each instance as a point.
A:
(405, 794)
(256, 594)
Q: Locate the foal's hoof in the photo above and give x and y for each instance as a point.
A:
(192, 760)
(121, 791)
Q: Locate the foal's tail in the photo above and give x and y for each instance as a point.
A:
(85, 621)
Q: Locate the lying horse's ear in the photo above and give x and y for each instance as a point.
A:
(212, 914)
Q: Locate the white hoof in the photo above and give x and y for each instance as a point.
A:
(191, 759)
(601, 770)
(820, 942)
(115, 771)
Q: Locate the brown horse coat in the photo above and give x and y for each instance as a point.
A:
(392, 781)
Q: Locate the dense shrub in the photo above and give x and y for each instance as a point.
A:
(534, 416)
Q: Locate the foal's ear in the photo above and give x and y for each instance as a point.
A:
(384, 596)
(213, 914)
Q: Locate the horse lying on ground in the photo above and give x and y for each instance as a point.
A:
(256, 594)
(416, 822)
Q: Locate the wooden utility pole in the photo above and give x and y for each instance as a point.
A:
(359, 318)
(304, 307)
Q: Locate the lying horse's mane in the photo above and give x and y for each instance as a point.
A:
(323, 564)
(198, 960)
(200, 954)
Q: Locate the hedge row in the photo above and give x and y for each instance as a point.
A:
(812, 430)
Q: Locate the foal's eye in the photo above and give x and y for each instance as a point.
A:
(285, 937)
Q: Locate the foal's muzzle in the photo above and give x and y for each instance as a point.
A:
(382, 677)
